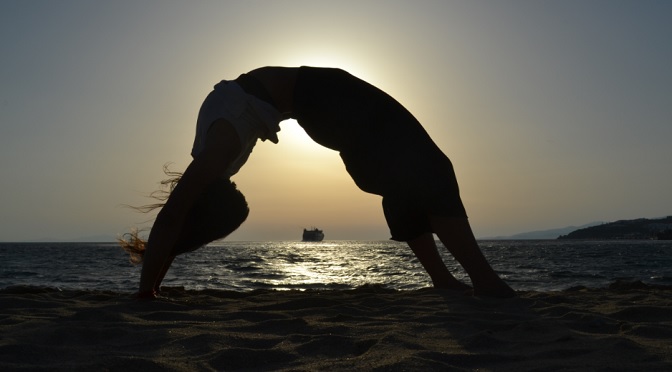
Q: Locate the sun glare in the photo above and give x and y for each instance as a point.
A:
(296, 145)
(325, 60)
(292, 135)
(348, 58)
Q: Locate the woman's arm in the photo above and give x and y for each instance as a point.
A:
(222, 146)
(159, 279)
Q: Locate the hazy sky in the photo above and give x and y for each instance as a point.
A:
(554, 113)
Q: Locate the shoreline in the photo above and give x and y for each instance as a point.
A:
(625, 327)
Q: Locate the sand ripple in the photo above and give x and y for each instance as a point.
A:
(620, 328)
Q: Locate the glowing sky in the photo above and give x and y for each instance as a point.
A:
(554, 113)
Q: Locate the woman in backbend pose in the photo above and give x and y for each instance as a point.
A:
(385, 150)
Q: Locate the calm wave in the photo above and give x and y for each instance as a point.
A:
(243, 266)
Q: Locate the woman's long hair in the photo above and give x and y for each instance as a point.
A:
(219, 211)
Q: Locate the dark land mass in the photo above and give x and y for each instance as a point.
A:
(639, 229)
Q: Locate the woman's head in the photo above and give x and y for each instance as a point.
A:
(219, 211)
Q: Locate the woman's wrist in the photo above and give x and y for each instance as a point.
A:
(146, 294)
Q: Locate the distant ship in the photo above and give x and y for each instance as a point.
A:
(313, 235)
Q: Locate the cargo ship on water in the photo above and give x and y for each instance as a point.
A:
(313, 235)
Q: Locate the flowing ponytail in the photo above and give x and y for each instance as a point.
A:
(133, 245)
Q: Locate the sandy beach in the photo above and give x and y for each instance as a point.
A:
(625, 327)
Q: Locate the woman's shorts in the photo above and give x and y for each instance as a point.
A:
(408, 208)
(414, 184)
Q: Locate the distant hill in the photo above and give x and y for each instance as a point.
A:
(542, 234)
(639, 229)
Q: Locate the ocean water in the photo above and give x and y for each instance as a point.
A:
(544, 265)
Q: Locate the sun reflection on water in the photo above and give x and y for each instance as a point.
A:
(307, 265)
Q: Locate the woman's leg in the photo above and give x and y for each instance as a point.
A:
(425, 250)
(456, 235)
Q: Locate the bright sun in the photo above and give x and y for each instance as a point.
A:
(293, 137)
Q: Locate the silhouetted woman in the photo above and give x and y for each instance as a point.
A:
(385, 149)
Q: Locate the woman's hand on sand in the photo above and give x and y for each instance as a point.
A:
(146, 295)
